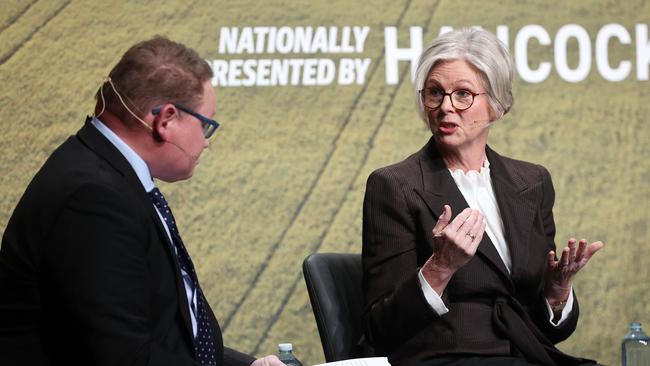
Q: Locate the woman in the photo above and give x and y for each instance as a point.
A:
(458, 241)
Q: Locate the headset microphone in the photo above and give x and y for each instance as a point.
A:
(191, 158)
(486, 123)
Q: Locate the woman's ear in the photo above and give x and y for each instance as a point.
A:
(494, 115)
(512, 101)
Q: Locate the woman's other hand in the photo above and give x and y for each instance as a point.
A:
(455, 243)
(559, 273)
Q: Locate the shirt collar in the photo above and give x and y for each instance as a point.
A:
(139, 166)
(473, 178)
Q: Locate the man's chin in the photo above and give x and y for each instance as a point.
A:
(176, 177)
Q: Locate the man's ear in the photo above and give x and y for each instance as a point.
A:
(162, 121)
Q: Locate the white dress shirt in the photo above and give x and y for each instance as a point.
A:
(476, 188)
(144, 175)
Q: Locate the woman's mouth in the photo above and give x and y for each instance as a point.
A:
(447, 127)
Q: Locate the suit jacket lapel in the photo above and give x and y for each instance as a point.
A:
(517, 212)
(439, 189)
(95, 141)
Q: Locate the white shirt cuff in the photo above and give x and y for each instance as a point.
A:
(565, 311)
(434, 300)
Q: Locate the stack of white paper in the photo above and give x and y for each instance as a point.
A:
(368, 361)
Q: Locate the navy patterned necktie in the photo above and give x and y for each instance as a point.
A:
(204, 341)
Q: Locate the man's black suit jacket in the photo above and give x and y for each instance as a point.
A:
(87, 272)
(490, 310)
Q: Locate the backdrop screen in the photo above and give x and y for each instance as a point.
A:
(313, 96)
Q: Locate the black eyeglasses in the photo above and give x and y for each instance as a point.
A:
(461, 99)
(209, 125)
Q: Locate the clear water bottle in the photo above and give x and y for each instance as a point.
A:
(285, 354)
(636, 347)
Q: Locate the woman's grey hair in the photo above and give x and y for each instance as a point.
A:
(481, 49)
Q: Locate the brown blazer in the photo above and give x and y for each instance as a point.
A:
(491, 312)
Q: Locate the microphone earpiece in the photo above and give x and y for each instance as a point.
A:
(486, 123)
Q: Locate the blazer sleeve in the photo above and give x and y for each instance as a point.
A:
(540, 313)
(395, 306)
(98, 257)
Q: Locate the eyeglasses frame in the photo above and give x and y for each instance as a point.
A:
(444, 94)
(205, 121)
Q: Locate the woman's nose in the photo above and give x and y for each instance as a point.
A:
(447, 105)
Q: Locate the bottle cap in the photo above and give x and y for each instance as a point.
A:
(285, 347)
(635, 325)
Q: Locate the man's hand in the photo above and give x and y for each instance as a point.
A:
(270, 360)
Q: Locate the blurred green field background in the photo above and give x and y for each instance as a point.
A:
(285, 176)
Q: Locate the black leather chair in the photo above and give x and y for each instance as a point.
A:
(334, 283)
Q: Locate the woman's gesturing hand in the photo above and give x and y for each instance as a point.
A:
(559, 273)
(455, 243)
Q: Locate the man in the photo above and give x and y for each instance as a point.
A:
(92, 268)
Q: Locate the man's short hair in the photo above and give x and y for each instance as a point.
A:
(151, 73)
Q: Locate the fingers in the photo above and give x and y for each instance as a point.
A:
(470, 232)
(574, 257)
(270, 360)
(566, 256)
(464, 232)
(459, 220)
(468, 221)
(473, 228)
(551, 263)
(479, 226)
(455, 242)
(479, 230)
(564, 259)
(593, 248)
(273, 360)
(573, 248)
(580, 252)
(443, 221)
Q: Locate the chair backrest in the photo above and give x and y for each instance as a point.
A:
(336, 295)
